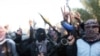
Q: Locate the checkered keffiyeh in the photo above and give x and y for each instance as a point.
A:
(90, 34)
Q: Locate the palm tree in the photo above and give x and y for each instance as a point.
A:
(93, 7)
(84, 14)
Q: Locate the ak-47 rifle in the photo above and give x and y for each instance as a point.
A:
(46, 21)
(68, 5)
(55, 44)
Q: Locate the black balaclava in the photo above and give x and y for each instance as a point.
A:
(40, 35)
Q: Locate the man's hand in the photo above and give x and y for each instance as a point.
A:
(71, 40)
(77, 16)
(41, 54)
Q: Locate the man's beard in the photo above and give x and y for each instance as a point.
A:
(91, 35)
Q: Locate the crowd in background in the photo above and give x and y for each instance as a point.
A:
(77, 39)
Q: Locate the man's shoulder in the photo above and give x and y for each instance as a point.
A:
(79, 40)
(10, 41)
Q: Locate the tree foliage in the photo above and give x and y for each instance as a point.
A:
(84, 14)
(93, 7)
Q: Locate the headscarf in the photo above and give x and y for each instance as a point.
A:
(91, 35)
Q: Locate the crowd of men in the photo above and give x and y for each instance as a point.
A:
(82, 39)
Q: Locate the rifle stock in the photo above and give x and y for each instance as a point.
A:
(45, 20)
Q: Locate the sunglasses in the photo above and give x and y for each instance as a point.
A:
(91, 26)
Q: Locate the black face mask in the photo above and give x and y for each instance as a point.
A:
(40, 35)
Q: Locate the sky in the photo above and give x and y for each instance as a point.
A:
(17, 13)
